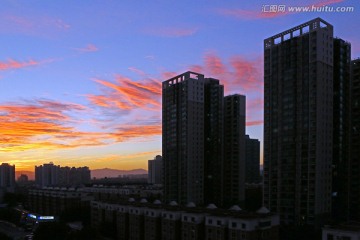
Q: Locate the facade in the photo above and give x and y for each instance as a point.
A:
(155, 170)
(48, 175)
(345, 231)
(54, 201)
(213, 141)
(298, 122)
(341, 130)
(143, 220)
(234, 150)
(7, 176)
(252, 160)
(354, 187)
(192, 132)
(203, 142)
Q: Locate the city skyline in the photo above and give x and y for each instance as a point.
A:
(83, 86)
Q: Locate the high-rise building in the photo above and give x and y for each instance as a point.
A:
(298, 122)
(203, 142)
(47, 175)
(155, 170)
(354, 173)
(7, 176)
(192, 130)
(234, 150)
(53, 175)
(252, 160)
(341, 129)
(182, 138)
(213, 142)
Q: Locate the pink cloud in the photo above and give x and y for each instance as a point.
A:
(13, 64)
(87, 48)
(37, 24)
(172, 32)
(136, 70)
(127, 94)
(254, 123)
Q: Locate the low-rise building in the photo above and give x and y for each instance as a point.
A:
(346, 231)
(145, 221)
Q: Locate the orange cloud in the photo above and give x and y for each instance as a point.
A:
(42, 124)
(13, 64)
(126, 132)
(254, 123)
(126, 94)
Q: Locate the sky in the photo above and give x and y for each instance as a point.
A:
(81, 80)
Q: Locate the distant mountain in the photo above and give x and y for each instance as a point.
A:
(31, 175)
(108, 172)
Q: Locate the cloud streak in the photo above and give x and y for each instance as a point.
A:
(42, 124)
(126, 94)
(13, 64)
(88, 48)
(172, 31)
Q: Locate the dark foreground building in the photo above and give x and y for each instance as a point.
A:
(203, 141)
(354, 169)
(252, 160)
(298, 122)
(311, 168)
(156, 221)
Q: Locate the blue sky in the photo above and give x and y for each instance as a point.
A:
(80, 80)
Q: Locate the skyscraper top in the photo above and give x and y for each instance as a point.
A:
(182, 77)
(297, 31)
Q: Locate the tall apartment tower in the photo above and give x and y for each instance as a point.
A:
(252, 160)
(7, 176)
(234, 150)
(47, 175)
(298, 122)
(354, 187)
(192, 139)
(341, 130)
(155, 170)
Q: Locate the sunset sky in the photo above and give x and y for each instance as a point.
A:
(81, 80)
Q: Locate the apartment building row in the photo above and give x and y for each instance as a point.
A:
(142, 220)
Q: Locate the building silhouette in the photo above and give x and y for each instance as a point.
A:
(199, 166)
(48, 175)
(234, 150)
(252, 160)
(135, 219)
(298, 122)
(354, 168)
(341, 130)
(155, 166)
(7, 176)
